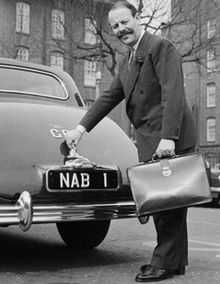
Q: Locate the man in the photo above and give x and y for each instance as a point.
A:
(150, 80)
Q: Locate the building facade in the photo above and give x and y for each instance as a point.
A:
(197, 25)
(59, 33)
(209, 82)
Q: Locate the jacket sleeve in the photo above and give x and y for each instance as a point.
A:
(168, 68)
(103, 105)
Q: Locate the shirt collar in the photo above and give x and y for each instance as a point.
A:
(135, 46)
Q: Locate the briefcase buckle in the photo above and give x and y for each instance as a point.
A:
(165, 167)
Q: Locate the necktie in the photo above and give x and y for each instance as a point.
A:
(131, 56)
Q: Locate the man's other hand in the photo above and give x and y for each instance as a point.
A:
(166, 147)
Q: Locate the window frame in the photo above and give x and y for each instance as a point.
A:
(57, 27)
(23, 17)
(57, 55)
(20, 56)
(89, 73)
(209, 135)
(211, 28)
(90, 36)
(211, 60)
(209, 94)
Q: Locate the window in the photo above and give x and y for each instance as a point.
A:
(31, 82)
(211, 28)
(57, 59)
(211, 94)
(90, 73)
(90, 31)
(211, 60)
(22, 53)
(211, 130)
(59, 4)
(22, 17)
(57, 24)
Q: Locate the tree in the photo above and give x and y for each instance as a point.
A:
(185, 26)
(185, 23)
(188, 26)
(106, 48)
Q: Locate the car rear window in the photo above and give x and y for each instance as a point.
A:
(28, 81)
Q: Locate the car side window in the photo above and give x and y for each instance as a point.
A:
(31, 82)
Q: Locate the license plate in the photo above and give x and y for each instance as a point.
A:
(82, 179)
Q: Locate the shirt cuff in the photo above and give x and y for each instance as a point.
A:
(81, 129)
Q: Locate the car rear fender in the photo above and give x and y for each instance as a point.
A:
(33, 134)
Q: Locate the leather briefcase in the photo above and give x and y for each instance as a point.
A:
(169, 183)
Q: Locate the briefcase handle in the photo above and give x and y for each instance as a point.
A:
(167, 156)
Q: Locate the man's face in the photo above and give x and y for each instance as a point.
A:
(125, 26)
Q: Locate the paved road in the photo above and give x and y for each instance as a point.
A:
(39, 256)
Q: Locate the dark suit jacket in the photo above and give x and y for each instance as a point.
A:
(153, 88)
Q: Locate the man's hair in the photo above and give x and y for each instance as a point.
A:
(124, 4)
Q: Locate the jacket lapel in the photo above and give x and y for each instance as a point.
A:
(131, 73)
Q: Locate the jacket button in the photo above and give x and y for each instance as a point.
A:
(141, 91)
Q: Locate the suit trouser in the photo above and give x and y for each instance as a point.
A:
(171, 251)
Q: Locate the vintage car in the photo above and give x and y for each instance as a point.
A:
(38, 105)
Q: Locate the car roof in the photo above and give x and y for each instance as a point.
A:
(63, 75)
(31, 65)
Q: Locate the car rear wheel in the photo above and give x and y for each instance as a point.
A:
(83, 235)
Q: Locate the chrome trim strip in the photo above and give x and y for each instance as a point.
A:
(215, 189)
(9, 214)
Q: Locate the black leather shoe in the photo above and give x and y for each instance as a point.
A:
(154, 274)
(144, 219)
(146, 267)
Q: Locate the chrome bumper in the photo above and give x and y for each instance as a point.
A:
(215, 189)
(24, 214)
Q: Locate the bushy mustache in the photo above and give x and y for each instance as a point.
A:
(120, 34)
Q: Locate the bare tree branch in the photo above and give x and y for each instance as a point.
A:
(185, 28)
